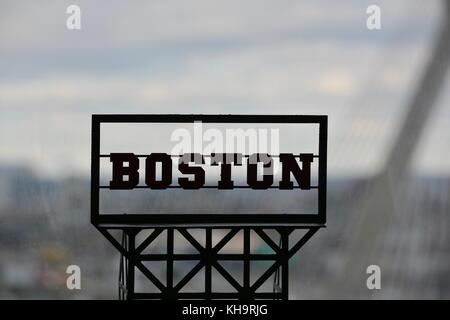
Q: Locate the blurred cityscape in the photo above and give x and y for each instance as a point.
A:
(386, 93)
(44, 227)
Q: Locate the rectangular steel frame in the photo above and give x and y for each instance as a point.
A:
(207, 219)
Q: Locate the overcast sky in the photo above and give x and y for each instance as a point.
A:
(255, 56)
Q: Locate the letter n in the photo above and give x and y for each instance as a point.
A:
(290, 165)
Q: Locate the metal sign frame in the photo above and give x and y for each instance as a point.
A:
(161, 220)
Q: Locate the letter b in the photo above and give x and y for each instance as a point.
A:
(119, 171)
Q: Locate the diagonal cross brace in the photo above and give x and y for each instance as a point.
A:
(131, 257)
(209, 257)
(288, 255)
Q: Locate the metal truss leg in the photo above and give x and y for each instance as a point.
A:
(131, 263)
(208, 263)
(208, 257)
(123, 269)
(285, 263)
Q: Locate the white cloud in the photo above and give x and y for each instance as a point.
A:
(203, 56)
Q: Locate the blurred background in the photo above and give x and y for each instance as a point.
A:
(386, 93)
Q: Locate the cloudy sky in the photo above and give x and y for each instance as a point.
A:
(255, 56)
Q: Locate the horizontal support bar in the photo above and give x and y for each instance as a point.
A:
(208, 118)
(204, 155)
(196, 226)
(206, 187)
(218, 257)
(213, 295)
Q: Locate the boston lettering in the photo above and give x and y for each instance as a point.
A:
(126, 174)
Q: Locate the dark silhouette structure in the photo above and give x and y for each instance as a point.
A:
(208, 256)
